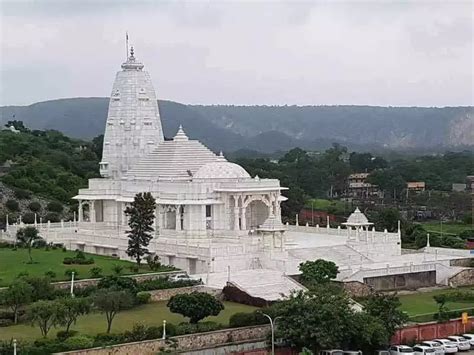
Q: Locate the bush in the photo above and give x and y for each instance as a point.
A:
(78, 342)
(95, 272)
(165, 283)
(6, 322)
(468, 233)
(191, 328)
(54, 206)
(143, 297)
(69, 272)
(12, 205)
(52, 217)
(243, 319)
(118, 283)
(117, 269)
(104, 339)
(63, 335)
(28, 218)
(22, 194)
(34, 206)
(51, 274)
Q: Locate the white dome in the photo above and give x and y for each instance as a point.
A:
(221, 170)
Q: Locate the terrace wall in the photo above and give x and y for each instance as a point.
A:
(462, 278)
(432, 330)
(408, 281)
(183, 343)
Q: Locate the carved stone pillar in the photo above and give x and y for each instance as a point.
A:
(92, 211)
(178, 218)
(80, 211)
(243, 219)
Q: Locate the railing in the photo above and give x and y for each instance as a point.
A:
(396, 270)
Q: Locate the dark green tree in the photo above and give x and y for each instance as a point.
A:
(72, 309)
(141, 215)
(318, 272)
(46, 314)
(387, 308)
(195, 305)
(28, 236)
(17, 295)
(318, 320)
(111, 302)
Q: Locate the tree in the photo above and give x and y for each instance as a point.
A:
(16, 295)
(195, 305)
(318, 272)
(19, 125)
(367, 333)
(387, 308)
(142, 214)
(317, 320)
(28, 236)
(73, 308)
(46, 314)
(388, 219)
(111, 302)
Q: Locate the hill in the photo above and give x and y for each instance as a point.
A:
(272, 128)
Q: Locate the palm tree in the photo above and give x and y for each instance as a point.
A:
(28, 236)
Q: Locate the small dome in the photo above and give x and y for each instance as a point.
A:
(357, 218)
(221, 170)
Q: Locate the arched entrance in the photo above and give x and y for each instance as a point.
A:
(256, 213)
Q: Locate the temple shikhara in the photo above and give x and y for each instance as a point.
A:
(213, 219)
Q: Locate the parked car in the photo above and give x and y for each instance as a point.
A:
(438, 347)
(423, 349)
(401, 349)
(382, 352)
(331, 352)
(469, 337)
(449, 346)
(351, 352)
(462, 343)
(180, 277)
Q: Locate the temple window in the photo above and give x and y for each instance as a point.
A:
(208, 211)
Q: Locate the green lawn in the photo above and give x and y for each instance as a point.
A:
(334, 206)
(149, 314)
(446, 228)
(14, 262)
(423, 303)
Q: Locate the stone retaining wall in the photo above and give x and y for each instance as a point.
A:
(462, 278)
(181, 343)
(357, 289)
(166, 294)
(465, 262)
(93, 282)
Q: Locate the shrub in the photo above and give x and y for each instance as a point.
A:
(195, 305)
(6, 322)
(12, 205)
(165, 283)
(52, 217)
(117, 269)
(28, 218)
(51, 274)
(468, 233)
(34, 206)
(103, 339)
(78, 342)
(153, 262)
(95, 272)
(118, 283)
(22, 194)
(143, 297)
(191, 328)
(69, 272)
(63, 334)
(55, 206)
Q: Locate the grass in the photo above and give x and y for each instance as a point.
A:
(446, 228)
(420, 304)
(14, 262)
(333, 206)
(149, 314)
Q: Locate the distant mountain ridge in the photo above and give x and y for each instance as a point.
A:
(271, 128)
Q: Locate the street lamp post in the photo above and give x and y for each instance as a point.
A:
(272, 324)
(14, 346)
(72, 284)
(164, 329)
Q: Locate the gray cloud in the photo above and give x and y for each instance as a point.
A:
(243, 52)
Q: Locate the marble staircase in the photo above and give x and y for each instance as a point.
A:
(340, 254)
(268, 284)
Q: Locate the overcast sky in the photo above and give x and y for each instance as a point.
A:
(399, 53)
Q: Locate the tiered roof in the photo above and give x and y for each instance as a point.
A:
(176, 159)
